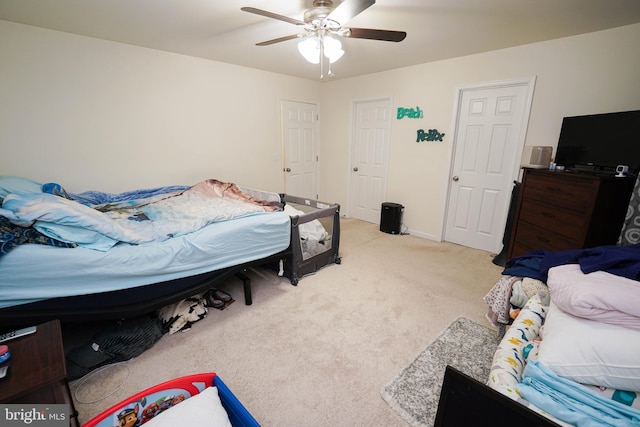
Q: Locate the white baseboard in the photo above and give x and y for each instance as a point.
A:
(423, 235)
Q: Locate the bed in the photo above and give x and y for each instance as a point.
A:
(199, 399)
(570, 352)
(96, 255)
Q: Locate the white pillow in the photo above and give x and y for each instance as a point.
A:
(590, 352)
(202, 410)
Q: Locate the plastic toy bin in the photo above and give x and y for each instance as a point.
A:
(163, 396)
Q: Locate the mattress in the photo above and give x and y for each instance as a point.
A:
(31, 273)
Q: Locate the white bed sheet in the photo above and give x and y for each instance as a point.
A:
(33, 272)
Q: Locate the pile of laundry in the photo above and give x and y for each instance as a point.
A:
(180, 316)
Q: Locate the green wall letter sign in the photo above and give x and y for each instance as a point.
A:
(412, 113)
(431, 135)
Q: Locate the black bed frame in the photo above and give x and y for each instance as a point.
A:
(122, 304)
(465, 401)
(133, 302)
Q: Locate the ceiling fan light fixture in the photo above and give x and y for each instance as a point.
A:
(322, 25)
(310, 50)
(332, 48)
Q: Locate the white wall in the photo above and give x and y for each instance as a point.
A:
(592, 73)
(92, 114)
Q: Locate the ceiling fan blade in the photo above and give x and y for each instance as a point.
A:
(271, 15)
(348, 9)
(280, 39)
(371, 34)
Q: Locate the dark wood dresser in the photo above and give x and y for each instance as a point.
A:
(558, 210)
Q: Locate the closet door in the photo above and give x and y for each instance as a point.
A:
(300, 148)
(489, 138)
(369, 159)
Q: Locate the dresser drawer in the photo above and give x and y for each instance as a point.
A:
(533, 237)
(563, 222)
(519, 249)
(566, 193)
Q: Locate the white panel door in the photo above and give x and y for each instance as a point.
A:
(369, 159)
(300, 140)
(489, 140)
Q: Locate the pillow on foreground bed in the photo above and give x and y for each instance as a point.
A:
(599, 296)
(590, 352)
(518, 344)
(15, 184)
(203, 410)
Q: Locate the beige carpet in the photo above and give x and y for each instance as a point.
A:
(319, 353)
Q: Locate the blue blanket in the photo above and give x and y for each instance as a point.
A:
(571, 402)
(153, 217)
(12, 235)
(92, 198)
(622, 261)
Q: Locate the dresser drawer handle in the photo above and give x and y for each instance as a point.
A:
(548, 215)
(554, 189)
(542, 239)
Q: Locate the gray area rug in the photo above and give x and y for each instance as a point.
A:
(415, 392)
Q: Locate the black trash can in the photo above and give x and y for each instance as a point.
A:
(391, 218)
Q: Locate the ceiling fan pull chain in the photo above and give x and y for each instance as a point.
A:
(321, 38)
(329, 72)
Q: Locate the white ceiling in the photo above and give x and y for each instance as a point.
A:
(220, 31)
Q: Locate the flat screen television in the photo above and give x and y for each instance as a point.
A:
(600, 142)
(466, 402)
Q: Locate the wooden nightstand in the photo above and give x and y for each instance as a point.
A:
(37, 370)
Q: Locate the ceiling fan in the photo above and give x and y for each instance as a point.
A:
(323, 26)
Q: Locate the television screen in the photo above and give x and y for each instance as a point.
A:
(466, 402)
(600, 142)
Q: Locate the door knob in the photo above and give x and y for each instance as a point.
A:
(355, 169)
(455, 179)
(287, 170)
